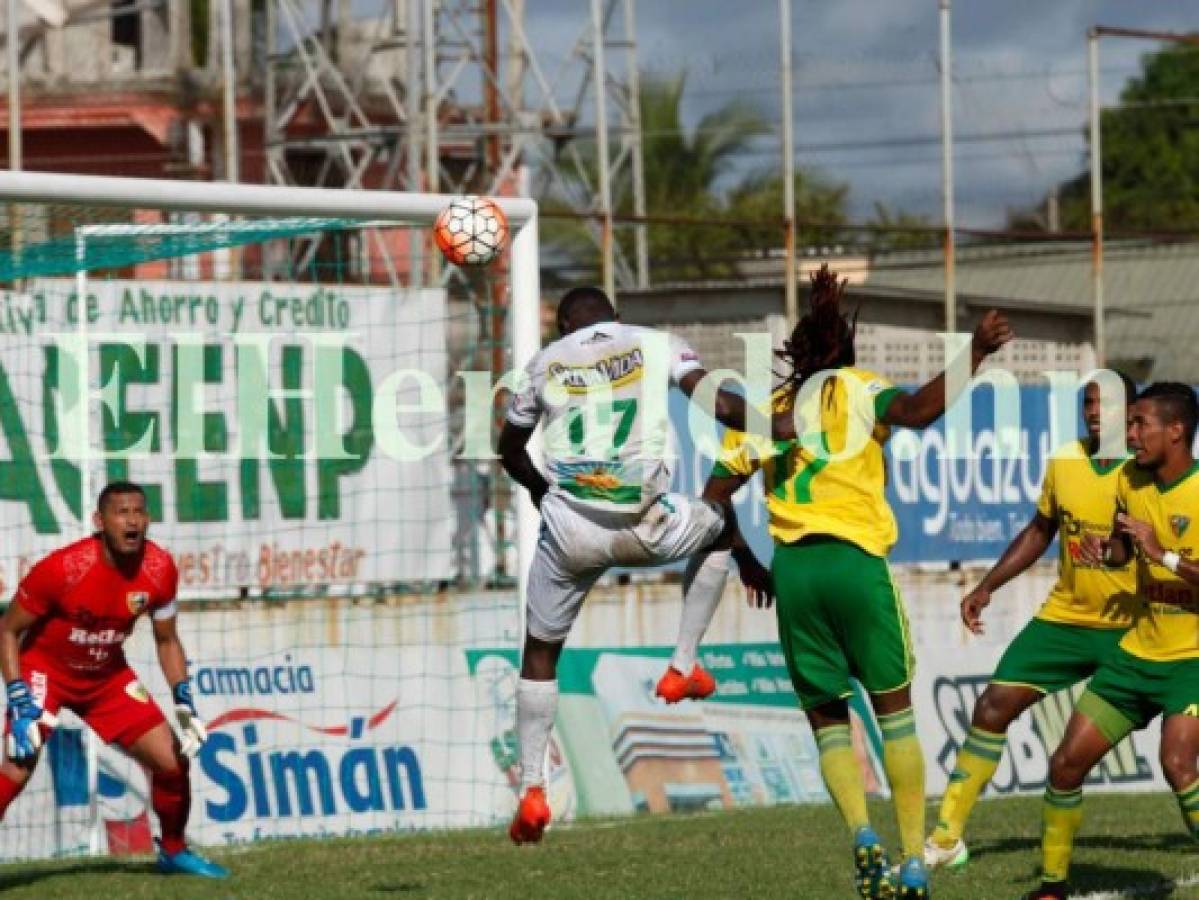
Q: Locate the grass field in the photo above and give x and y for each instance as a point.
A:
(1129, 846)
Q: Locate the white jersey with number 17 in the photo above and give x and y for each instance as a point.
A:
(601, 448)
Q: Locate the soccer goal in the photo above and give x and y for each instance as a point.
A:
(308, 394)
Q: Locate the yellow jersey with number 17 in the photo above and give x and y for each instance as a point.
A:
(831, 481)
(1079, 494)
(1168, 627)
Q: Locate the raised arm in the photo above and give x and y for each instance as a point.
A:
(729, 409)
(925, 406)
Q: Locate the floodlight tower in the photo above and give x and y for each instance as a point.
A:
(452, 96)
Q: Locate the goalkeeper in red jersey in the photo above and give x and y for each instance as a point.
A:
(61, 646)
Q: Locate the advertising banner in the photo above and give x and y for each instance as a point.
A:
(286, 434)
(339, 718)
(948, 509)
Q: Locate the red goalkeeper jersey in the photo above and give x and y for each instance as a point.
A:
(86, 608)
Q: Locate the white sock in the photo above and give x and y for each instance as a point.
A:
(536, 704)
(703, 586)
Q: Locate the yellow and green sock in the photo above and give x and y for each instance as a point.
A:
(972, 770)
(904, 764)
(1061, 816)
(843, 775)
(1188, 802)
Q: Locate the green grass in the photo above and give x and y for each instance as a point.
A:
(1127, 842)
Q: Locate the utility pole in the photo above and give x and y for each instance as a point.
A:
(951, 306)
(791, 293)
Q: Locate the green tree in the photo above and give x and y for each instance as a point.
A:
(1150, 150)
(820, 206)
(899, 230)
(686, 171)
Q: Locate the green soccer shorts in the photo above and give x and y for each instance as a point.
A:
(839, 617)
(1128, 692)
(1050, 656)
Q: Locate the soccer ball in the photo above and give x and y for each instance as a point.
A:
(471, 231)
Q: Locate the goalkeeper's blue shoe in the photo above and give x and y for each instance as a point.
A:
(873, 876)
(187, 862)
(913, 880)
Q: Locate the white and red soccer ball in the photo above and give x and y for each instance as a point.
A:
(471, 231)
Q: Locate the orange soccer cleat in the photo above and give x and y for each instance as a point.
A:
(532, 817)
(674, 686)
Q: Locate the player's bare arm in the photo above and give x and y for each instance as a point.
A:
(925, 406)
(514, 456)
(754, 576)
(1027, 547)
(170, 650)
(728, 409)
(173, 661)
(1144, 538)
(15, 622)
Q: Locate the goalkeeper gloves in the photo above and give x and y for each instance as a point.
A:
(24, 719)
(194, 731)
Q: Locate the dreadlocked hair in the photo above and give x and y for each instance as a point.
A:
(822, 339)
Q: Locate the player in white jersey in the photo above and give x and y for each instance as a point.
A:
(601, 391)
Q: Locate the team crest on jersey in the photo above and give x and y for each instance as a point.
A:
(1179, 524)
(138, 601)
(137, 691)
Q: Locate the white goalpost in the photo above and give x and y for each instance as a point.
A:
(342, 685)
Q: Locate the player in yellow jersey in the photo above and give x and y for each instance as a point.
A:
(839, 614)
(1155, 669)
(1087, 612)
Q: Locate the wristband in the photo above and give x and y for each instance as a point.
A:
(182, 693)
(18, 693)
(1171, 561)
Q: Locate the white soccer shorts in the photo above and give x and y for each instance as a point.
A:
(577, 545)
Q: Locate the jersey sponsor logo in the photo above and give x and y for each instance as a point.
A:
(611, 483)
(1179, 524)
(137, 691)
(1173, 597)
(137, 601)
(95, 638)
(611, 371)
(599, 478)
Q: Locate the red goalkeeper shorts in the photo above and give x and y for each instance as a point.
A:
(115, 705)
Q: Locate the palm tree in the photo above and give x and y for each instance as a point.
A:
(682, 171)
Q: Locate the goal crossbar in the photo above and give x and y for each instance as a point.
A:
(240, 199)
(374, 207)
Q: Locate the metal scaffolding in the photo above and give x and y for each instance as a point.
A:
(450, 96)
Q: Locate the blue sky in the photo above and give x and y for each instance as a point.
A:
(867, 98)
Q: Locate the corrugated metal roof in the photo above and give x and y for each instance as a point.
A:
(1158, 283)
